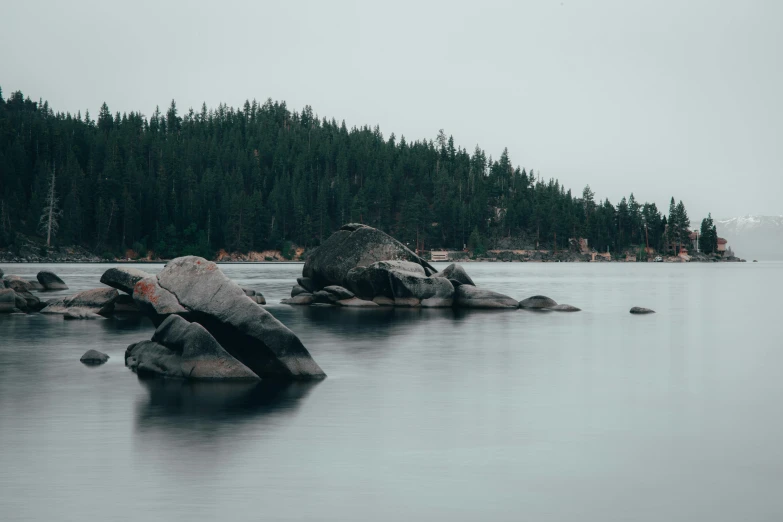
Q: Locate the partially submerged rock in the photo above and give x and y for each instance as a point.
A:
(99, 301)
(296, 290)
(35, 285)
(455, 272)
(352, 246)
(400, 280)
(123, 279)
(126, 304)
(254, 295)
(196, 287)
(640, 310)
(306, 283)
(467, 296)
(50, 281)
(184, 350)
(537, 302)
(565, 308)
(94, 357)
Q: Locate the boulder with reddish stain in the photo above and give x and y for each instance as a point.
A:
(196, 289)
(155, 301)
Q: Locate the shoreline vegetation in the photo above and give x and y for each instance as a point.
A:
(249, 183)
(34, 250)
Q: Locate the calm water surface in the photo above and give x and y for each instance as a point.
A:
(426, 414)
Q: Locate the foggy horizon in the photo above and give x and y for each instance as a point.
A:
(657, 101)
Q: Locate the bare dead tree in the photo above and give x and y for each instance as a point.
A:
(50, 217)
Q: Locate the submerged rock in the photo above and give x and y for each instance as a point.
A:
(382, 300)
(98, 301)
(455, 272)
(50, 281)
(123, 279)
(35, 285)
(467, 296)
(352, 246)
(247, 331)
(355, 302)
(640, 310)
(299, 299)
(94, 357)
(80, 313)
(537, 302)
(184, 350)
(7, 301)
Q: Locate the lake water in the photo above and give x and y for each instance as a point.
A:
(425, 414)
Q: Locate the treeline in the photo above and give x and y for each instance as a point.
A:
(264, 176)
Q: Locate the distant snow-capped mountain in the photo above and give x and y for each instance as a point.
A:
(753, 237)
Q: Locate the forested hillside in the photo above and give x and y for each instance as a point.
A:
(260, 176)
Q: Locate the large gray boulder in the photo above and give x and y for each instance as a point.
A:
(50, 281)
(123, 279)
(537, 302)
(245, 330)
(155, 301)
(98, 301)
(352, 246)
(467, 296)
(184, 350)
(457, 273)
(401, 281)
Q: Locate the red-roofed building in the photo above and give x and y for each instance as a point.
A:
(722, 245)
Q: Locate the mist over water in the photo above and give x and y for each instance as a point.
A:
(426, 414)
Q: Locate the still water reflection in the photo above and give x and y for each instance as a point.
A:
(426, 414)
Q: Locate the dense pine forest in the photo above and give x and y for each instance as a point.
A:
(263, 176)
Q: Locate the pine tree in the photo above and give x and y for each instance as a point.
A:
(49, 223)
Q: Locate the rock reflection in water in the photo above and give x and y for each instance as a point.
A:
(175, 405)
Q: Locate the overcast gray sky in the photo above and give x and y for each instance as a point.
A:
(658, 97)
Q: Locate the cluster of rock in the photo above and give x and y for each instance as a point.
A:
(360, 266)
(209, 328)
(16, 292)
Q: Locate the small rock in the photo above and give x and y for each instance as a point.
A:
(324, 297)
(537, 302)
(17, 284)
(467, 296)
(640, 310)
(94, 357)
(296, 290)
(382, 300)
(7, 300)
(50, 281)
